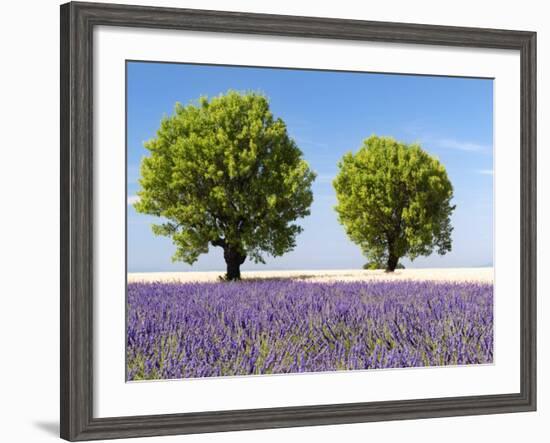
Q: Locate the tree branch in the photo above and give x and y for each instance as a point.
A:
(219, 242)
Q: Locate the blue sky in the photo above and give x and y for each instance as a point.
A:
(329, 114)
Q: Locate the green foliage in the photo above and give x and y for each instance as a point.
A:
(394, 200)
(224, 172)
(373, 266)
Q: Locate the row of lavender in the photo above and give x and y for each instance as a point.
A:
(284, 326)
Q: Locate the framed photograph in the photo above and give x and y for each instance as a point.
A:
(272, 221)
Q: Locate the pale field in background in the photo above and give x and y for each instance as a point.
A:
(485, 275)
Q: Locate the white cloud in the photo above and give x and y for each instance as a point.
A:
(449, 143)
(485, 171)
(132, 199)
(308, 142)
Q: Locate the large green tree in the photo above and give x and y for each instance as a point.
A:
(224, 172)
(394, 200)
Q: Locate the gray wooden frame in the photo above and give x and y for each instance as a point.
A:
(77, 24)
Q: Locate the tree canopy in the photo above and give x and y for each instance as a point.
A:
(224, 172)
(394, 200)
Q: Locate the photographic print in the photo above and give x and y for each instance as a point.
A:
(275, 221)
(285, 221)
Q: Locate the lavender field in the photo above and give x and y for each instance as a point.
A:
(182, 330)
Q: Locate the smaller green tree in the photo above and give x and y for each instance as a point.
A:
(224, 172)
(394, 200)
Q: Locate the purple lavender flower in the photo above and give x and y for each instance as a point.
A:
(283, 326)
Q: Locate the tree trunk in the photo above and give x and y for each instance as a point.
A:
(392, 262)
(234, 259)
